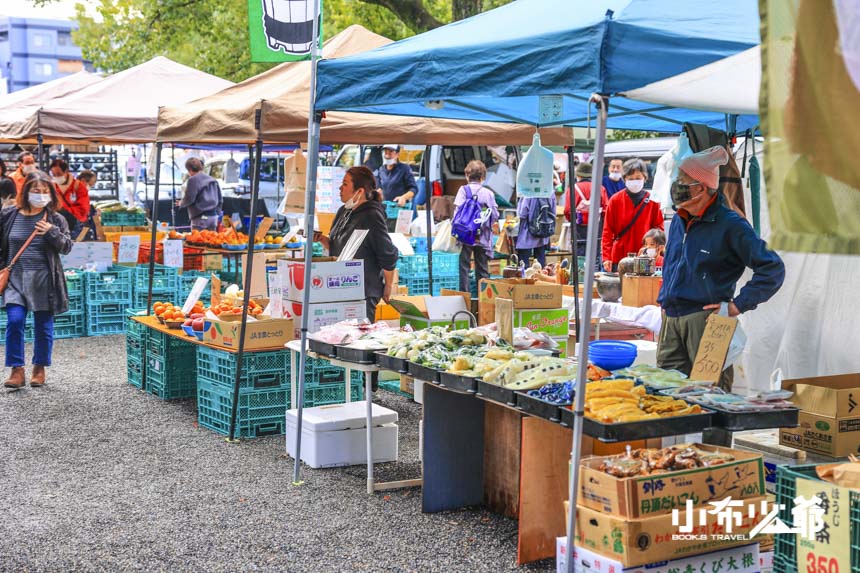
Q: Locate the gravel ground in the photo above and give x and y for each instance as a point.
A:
(100, 476)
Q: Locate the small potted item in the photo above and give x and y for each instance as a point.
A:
(643, 266)
(627, 264)
(609, 287)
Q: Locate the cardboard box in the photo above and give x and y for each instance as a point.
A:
(553, 322)
(525, 293)
(271, 333)
(746, 559)
(407, 384)
(635, 542)
(640, 290)
(422, 312)
(659, 494)
(324, 314)
(330, 281)
(834, 437)
(830, 396)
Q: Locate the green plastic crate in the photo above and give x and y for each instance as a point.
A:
(260, 412)
(135, 372)
(335, 394)
(111, 286)
(164, 280)
(260, 370)
(785, 545)
(123, 219)
(106, 318)
(70, 325)
(171, 366)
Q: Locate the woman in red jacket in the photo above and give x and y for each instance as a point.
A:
(581, 202)
(629, 216)
(74, 196)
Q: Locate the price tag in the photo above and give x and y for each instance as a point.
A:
(129, 248)
(194, 296)
(91, 254)
(264, 227)
(713, 348)
(404, 221)
(825, 550)
(216, 290)
(173, 253)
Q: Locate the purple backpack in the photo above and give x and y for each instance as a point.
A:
(466, 224)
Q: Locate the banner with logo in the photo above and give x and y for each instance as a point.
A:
(282, 30)
(810, 109)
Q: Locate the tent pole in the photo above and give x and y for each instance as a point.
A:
(428, 195)
(154, 226)
(574, 259)
(41, 152)
(173, 185)
(314, 120)
(585, 329)
(248, 275)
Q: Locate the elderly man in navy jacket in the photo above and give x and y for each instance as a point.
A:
(708, 248)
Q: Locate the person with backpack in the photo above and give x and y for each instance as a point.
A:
(629, 216)
(475, 213)
(537, 226)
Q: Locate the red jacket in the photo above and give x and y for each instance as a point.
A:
(619, 213)
(585, 187)
(76, 200)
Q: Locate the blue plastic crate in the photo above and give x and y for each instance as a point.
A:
(135, 372)
(76, 304)
(70, 325)
(186, 283)
(133, 328)
(74, 283)
(106, 318)
(421, 285)
(260, 412)
(133, 347)
(165, 280)
(111, 286)
(260, 370)
(444, 264)
(123, 219)
(392, 209)
(419, 245)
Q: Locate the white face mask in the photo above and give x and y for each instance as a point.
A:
(59, 179)
(27, 169)
(634, 185)
(388, 162)
(39, 200)
(615, 175)
(651, 253)
(350, 205)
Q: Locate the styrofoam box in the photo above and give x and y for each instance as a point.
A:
(335, 435)
(334, 281)
(324, 314)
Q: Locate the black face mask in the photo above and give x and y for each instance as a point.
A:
(680, 192)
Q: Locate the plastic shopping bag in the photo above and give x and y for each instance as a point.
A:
(739, 340)
(444, 242)
(534, 175)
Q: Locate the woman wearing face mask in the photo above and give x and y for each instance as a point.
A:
(26, 165)
(36, 282)
(74, 196)
(363, 210)
(629, 216)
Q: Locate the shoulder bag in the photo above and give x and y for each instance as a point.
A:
(4, 273)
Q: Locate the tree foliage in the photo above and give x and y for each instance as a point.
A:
(212, 35)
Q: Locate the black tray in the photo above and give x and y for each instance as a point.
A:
(423, 373)
(740, 421)
(538, 408)
(321, 348)
(390, 362)
(496, 393)
(459, 383)
(356, 355)
(646, 429)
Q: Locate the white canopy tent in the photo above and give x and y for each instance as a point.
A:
(808, 327)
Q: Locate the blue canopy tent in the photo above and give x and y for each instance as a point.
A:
(543, 63)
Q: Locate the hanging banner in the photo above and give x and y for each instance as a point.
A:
(282, 30)
(810, 94)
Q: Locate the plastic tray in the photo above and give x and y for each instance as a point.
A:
(496, 393)
(459, 383)
(322, 348)
(423, 372)
(646, 429)
(356, 355)
(538, 408)
(391, 363)
(740, 421)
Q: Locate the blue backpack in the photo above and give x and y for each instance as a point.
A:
(542, 222)
(466, 224)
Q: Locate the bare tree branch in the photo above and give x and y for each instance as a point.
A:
(462, 9)
(413, 13)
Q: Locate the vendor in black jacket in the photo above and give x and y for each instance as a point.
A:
(362, 209)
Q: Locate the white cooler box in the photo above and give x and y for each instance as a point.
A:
(335, 435)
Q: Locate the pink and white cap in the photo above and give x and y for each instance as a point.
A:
(704, 166)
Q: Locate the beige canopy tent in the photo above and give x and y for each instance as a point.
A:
(282, 96)
(41, 94)
(122, 108)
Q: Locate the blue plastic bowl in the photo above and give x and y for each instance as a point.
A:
(611, 354)
(191, 332)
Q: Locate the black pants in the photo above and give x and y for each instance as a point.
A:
(482, 268)
(525, 255)
(581, 237)
(372, 302)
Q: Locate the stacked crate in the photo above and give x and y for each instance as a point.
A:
(165, 284)
(324, 383)
(186, 283)
(135, 338)
(171, 366)
(28, 329)
(413, 273)
(108, 297)
(72, 323)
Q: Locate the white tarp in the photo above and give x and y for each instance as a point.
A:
(730, 85)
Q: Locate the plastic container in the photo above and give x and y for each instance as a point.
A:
(611, 354)
(115, 285)
(260, 370)
(106, 318)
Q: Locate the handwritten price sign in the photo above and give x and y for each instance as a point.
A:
(827, 548)
(713, 348)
